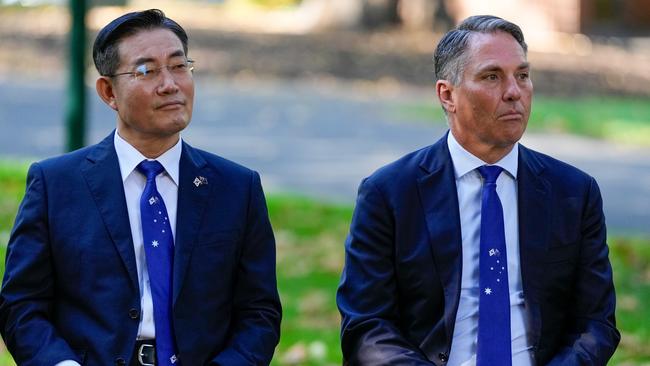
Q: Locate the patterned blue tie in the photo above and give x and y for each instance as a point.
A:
(494, 343)
(159, 250)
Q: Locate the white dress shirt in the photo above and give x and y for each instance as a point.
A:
(134, 182)
(469, 184)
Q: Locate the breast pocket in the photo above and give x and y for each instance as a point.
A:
(212, 267)
(565, 228)
(218, 238)
(562, 253)
(215, 253)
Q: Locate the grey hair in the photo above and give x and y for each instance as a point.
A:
(450, 56)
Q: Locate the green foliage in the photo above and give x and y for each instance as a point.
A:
(612, 118)
(310, 236)
(631, 264)
(12, 189)
(432, 113)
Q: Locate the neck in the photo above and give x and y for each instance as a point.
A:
(484, 151)
(151, 148)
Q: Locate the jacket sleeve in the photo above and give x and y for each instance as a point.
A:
(367, 294)
(256, 307)
(29, 284)
(592, 337)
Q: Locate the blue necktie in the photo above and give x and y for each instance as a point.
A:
(159, 250)
(494, 343)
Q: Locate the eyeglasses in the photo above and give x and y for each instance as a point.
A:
(146, 72)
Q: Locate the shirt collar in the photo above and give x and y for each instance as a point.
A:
(129, 158)
(465, 162)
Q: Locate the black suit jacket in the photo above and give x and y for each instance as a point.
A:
(400, 288)
(70, 289)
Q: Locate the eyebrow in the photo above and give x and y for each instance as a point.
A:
(492, 67)
(143, 60)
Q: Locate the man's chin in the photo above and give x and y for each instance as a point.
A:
(176, 125)
(514, 133)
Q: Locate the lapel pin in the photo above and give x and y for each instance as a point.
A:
(200, 180)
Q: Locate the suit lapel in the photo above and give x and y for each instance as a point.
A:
(196, 182)
(437, 188)
(534, 224)
(102, 174)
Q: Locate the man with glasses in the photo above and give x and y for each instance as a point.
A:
(141, 250)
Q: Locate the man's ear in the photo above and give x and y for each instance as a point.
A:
(104, 86)
(444, 89)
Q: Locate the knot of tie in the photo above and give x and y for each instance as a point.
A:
(150, 168)
(490, 173)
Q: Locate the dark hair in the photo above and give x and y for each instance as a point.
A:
(105, 48)
(450, 55)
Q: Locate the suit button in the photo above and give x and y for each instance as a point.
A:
(120, 361)
(442, 357)
(134, 313)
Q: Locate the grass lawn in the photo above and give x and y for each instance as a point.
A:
(310, 238)
(617, 119)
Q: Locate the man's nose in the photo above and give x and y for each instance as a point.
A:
(512, 90)
(167, 83)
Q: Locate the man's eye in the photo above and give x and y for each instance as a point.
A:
(142, 70)
(524, 76)
(179, 67)
(491, 77)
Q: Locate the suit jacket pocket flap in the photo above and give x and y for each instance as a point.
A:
(562, 253)
(218, 238)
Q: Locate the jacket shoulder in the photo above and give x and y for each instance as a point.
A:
(65, 159)
(225, 167)
(553, 168)
(64, 164)
(410, 167)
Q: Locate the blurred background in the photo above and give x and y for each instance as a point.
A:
(317, 94)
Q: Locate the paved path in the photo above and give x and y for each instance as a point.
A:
(315, 140)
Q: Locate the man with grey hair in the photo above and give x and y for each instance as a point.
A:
(477, 250)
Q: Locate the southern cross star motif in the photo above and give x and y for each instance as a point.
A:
(154, 243)
(152, 200)
(488, 291)
(173, 359)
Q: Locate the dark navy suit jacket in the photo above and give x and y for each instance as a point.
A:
(400, 288)
(70, 289)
